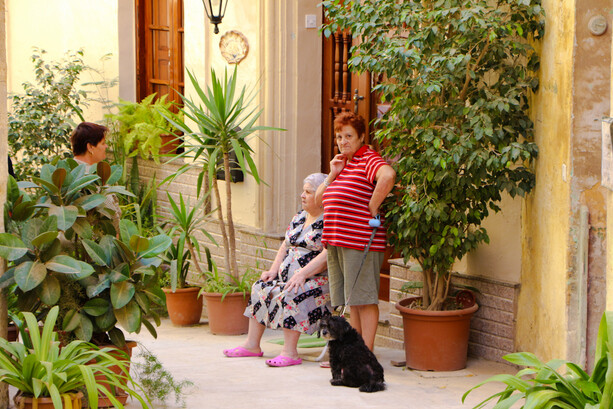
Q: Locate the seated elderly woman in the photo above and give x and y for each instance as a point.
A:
(294, 293)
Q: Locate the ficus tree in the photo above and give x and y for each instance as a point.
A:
(458, 75)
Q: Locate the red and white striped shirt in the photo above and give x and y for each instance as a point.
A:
(345, 201)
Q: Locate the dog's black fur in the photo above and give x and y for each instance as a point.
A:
(351, 362)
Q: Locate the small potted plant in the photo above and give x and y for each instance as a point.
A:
(48, 375)
(457, 133)
(184, 301)
(227, 296)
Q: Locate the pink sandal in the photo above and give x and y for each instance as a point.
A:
(281, 361)
(240, 352)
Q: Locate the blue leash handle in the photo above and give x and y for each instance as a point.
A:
(375, 223)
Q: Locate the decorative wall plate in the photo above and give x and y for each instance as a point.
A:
(234, 46)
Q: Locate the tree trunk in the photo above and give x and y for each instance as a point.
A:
(222, 225)
(231, 235)
(4, 393)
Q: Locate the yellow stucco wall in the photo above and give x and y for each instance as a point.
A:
(542, 302)
(202, 53)
(609, 234)
(58, 26)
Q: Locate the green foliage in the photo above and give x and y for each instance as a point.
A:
(141, 208)
(38, 367)
(457, 75)
(65, 250)
(139, 126)
(225, 120)
(41, 120)
(157, 381)
(225, 284)
(558, 383)
(185, 222)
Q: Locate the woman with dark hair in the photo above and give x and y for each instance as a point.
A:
(89, 143)
(351, 195)
(89, 147)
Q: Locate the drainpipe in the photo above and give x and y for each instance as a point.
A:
(582, 275)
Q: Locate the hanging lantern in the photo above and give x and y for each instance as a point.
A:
(215, 10)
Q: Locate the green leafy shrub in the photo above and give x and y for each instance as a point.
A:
(558, 384)
(458, 76)
(66, 249)
(42, 118)
(141, 124)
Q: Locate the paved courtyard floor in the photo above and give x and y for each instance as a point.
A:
(193, 353)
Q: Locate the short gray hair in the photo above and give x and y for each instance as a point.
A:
(315, 179)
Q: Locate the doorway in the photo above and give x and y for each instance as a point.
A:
(343, 90)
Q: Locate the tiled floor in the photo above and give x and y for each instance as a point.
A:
(194, 354)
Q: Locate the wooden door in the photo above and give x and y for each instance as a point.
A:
(160, 65)
(343, 90)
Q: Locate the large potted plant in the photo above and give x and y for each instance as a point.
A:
(50, 375)
(65, 250)
(184, 301)
(224, 118)
(457, 75)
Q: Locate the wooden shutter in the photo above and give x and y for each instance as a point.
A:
(160, 64)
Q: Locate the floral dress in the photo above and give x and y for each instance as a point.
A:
(300, 311)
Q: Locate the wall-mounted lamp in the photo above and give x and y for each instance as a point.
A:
(215, 10)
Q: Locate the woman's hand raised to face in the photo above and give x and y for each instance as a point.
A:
(337, 164)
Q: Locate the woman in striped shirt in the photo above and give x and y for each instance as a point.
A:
(358, 181)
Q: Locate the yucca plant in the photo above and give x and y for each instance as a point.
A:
(39, 367)
(225, 118)
(185, 222)
(558, 384)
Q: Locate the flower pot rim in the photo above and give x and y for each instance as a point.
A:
(21, 395)
(228, 294)
(181, 289)
(401, 306)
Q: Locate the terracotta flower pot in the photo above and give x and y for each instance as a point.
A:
(122, 396)
(170, 143)
(184, 305)
(27, 402)
(226, 317)
(435, 340)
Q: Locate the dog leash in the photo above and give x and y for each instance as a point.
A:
(375, 223)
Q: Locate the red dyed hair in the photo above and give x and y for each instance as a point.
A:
(349, 118)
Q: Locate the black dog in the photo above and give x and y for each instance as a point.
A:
(351, 362)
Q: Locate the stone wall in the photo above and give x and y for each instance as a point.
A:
(492, 332)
